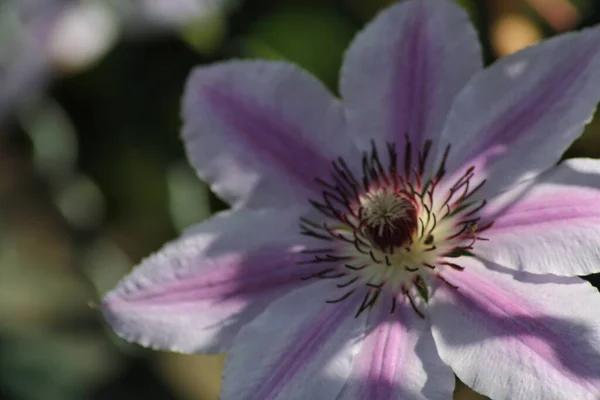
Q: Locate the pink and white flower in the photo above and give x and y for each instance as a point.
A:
(379, 244)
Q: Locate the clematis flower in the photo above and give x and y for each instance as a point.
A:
(379, 244)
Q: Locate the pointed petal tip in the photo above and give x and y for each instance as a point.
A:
(199, 290)
(516, 118)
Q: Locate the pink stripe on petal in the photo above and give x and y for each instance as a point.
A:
(511, 318)
(548, 225)
(516, 118)
(402, 72)
(260, 132)
(232, 278)
(549, 212)
(515, 122)
(386, 361)
(267, 135)
(517, 339)
(299, 348)
(398, 359)
(384, 364)
(410, 92)
(308, 343)
(197, 291)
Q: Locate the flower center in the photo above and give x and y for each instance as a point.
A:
(388, 218)
(391, 231)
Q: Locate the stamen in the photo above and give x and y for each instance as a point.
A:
(311, 251)
(393, 308)
(344, 297)
(329, 275)
(412, 303)
(393, 168)
(373, 257)
(407, 155)
(358, 247)
(485, 227)
(347, 171)
(353, 268)
(475, 189)
(365, 169)
(346, 284)
(375, 161)
(442, 169)
(368, 301)
(477, 209)
(452, 265)
(423, 156)
(312, 276)
(446, 282)
(390, 227)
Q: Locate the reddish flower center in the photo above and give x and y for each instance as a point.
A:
(388, 218)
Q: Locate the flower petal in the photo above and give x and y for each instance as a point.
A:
(261, 132)
(516, 118)
(196, 293)
(551, 226)
(402, 72)
(518, 337)
(299, 348)
(398, 360)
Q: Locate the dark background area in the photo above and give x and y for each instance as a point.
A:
(93, 175)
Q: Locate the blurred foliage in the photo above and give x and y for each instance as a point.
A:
(93, 178)
(282, 32)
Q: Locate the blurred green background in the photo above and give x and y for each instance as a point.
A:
(93, 175)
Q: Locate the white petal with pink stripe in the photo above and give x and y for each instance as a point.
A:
(299, 348)
(261, 131)
(196, 293)
(516, 118)
(550, 225)
(402, 72)
(398, 360)
(521, 337)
